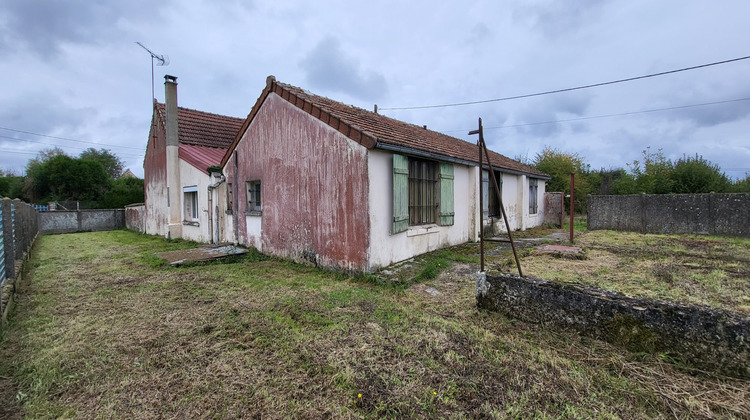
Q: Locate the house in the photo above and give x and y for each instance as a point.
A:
(182, 145)
(310, 178)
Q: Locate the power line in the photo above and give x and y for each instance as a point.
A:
(608, 115)
(62, 145)
(508, 98)
(68, 139)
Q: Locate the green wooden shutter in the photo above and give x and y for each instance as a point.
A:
(400, 193)
(446, 194)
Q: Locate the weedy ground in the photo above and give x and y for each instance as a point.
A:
(103, 330)
(695, 269)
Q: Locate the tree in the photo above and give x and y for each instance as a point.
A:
(655, 177)
(111, 163)
(741, 186)
(698, 175)
(123, 192)
(559, 165)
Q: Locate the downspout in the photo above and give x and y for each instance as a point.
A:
(211, 213)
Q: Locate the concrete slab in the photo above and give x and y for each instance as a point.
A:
(559, 248)
(202, 253)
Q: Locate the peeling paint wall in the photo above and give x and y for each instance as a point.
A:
(313, 189)
(386, 248)
(155, 179)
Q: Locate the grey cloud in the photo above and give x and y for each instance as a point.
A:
(42, 27)
(560, 17)
(327, 66)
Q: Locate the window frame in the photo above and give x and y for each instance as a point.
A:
(533, 196)
(190, 204)
(423, 191)
(253, 198)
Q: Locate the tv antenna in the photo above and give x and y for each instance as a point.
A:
(161, 60)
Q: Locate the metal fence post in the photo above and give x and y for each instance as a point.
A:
(9, 248)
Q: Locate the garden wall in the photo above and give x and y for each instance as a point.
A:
(712, 214)
(553, 208)
(707, 338)
(135, 217)
(81, 220)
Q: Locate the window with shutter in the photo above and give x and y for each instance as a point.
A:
(446, 194)
(400, 193)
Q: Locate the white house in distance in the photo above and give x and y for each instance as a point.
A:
(314, 179)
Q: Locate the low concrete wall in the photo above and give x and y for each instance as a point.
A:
(712, 214)
(553, 208)
(135, 217)
(81, 221)
(707, 338)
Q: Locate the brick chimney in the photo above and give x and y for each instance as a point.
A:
(174, 189)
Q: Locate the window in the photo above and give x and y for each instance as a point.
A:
(253, 197)
(422, 193)
(423, 177)
(190, 198)
(533, 188)
(230, 200)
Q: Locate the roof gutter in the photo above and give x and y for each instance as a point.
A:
(420, 153)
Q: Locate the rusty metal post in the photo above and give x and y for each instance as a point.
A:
(502, 208)
(572, 206)
(481, 201)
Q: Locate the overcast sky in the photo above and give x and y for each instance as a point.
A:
(71, 69)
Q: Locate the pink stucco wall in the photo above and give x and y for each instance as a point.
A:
(314, 188)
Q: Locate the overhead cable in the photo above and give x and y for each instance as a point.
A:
(549, 92)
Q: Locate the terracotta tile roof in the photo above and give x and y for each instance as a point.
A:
(201, 157)
(378, 131)
(200, 128)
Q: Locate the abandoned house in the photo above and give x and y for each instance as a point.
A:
(182, 145)
(312, 179)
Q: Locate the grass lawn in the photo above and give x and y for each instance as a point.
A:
(102, 330)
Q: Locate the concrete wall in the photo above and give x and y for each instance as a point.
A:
(707, 338)
(81, 221)
(135, 217)
(387, 248)
(713, 214)
(553, 208)
(313, 188)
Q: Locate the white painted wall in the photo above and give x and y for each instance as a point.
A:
(190, 176)
(254, 231)
(387, 248)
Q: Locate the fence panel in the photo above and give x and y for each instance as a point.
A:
(2, 250)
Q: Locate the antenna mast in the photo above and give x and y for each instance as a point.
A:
(162, 60)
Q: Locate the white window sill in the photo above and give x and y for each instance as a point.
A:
(190, 223)
(254, 213)
(422, 230)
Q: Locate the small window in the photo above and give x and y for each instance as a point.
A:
(533, 189)
(230, 201)
(191, 203)
(253, 197)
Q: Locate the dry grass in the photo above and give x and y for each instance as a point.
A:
(102, 331)
(693, 269)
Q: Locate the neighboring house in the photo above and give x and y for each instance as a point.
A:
(127, 174)
(309, 178)
(182, 145)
